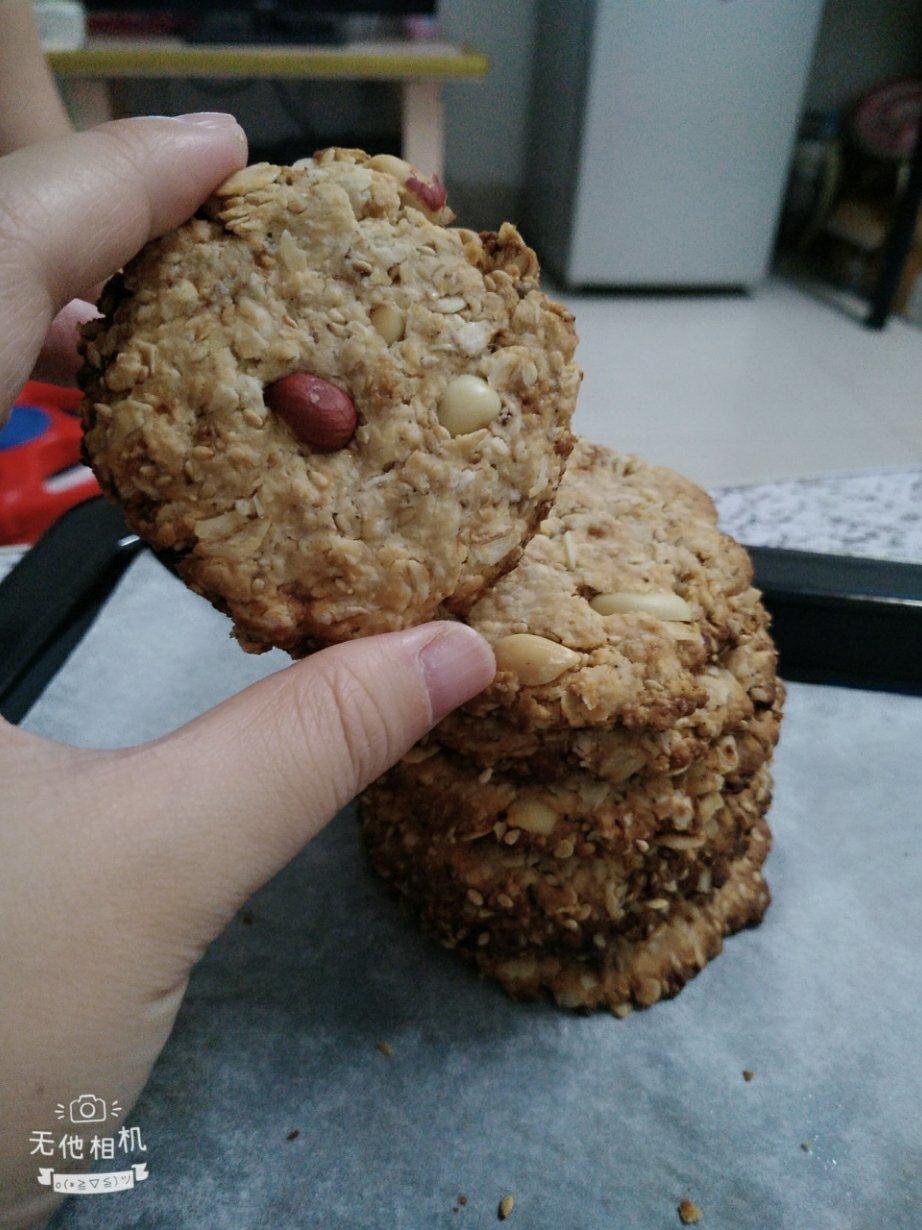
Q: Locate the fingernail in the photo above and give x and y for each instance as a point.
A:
(207, 119)
(457, 664)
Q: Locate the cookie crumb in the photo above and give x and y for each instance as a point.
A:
(747, 1075)
(293, 1134)
(806, 1145)
(689, 1213)
(385, 1048)
(506, 1205)
(247, 918)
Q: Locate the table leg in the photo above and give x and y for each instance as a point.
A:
(898, 242)
(423, 127)
(89, 102)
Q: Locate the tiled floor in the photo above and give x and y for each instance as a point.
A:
(744, 389)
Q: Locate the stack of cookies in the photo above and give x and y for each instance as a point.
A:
(592, 826)
(338, 415)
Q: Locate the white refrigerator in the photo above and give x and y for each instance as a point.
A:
(661, 133)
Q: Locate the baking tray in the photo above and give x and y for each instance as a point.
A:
(590, 1123)
(836, 619)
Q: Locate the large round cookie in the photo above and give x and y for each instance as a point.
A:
(615, 753)
(459, 369)
(497, 904)
(640, 971)
(628, 592)
(574, 815)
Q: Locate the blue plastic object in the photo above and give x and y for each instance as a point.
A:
(25, 423)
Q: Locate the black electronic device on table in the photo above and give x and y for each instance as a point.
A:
(836, 619)
(260, 21)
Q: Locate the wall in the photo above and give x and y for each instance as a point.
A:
(860, 43)
(487, 121)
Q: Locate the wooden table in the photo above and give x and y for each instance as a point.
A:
(418, 68)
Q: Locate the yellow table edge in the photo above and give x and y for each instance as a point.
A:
(243, 61)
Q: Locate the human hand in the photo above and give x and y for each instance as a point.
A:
(31, 111)
(73, 211)
(117, 869)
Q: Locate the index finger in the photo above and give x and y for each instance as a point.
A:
(73, 211)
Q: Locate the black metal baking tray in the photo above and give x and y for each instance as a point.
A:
(842, 619)
(51, 597)
(836, 619)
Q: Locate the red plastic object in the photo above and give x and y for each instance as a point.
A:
(886, 120)
(40, 472)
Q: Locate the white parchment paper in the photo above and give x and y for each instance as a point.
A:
(587, 1121)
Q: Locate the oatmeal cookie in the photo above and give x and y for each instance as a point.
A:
(486, 900)
(336, 412)
(615, 753)
(572, 813)
(641, 971)
(617, 606)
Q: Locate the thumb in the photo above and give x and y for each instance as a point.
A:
(232, 797)
(73, 211)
